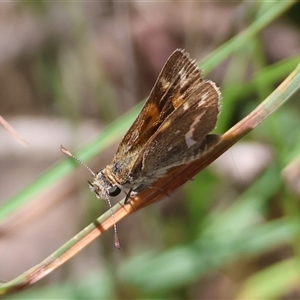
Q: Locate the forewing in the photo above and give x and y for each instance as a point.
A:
(176, 81)
(178, 140)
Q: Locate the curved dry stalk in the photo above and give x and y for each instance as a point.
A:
(12, 131)
(180, 175)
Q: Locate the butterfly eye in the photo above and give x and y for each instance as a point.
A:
(114, 191)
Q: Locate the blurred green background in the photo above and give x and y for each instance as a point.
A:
(68, 70)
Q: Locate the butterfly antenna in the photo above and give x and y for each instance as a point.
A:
(116, 236)
(67, 152)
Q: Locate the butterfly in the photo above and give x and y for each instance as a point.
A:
(170, 130)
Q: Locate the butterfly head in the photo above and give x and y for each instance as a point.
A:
(102, 186)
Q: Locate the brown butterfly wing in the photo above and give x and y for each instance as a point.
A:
(175, 82)
(181, 137)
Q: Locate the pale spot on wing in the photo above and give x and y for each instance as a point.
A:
(170, 148)
(190, 142)
(177, 131)
(189, 135)
(165, 84)
(186, 106)
(183, 77)
(167, 123)
(177, 100)
(203, 98)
